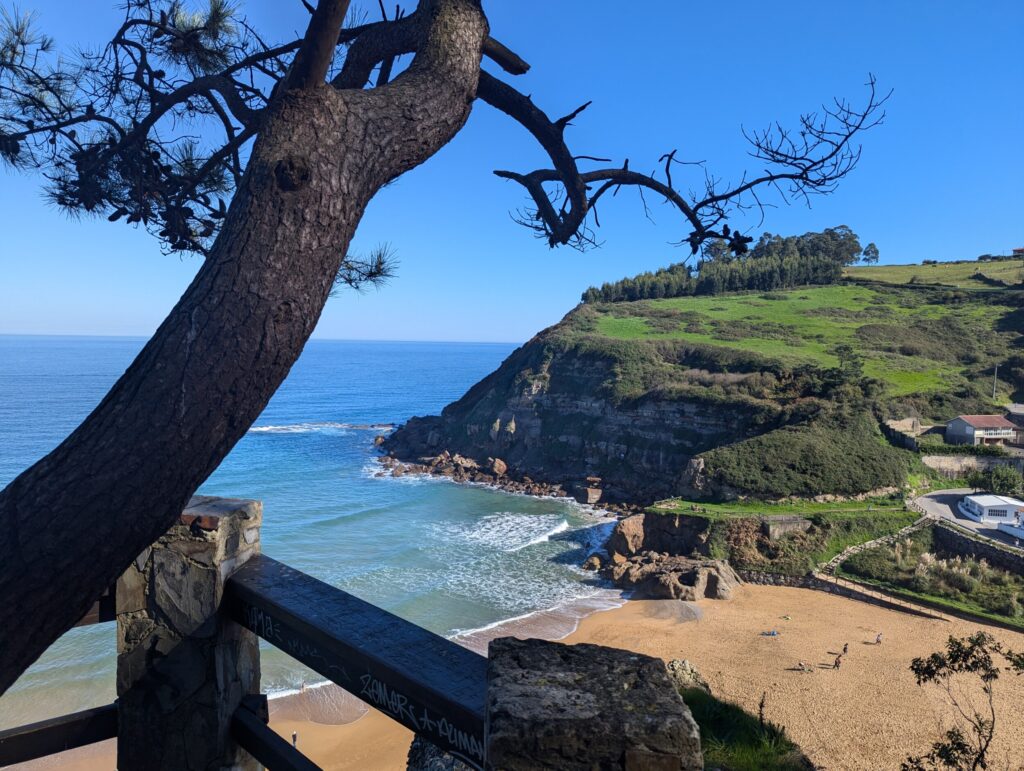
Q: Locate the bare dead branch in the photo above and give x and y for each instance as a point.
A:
(810, 162)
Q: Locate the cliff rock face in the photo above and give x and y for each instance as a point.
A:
(549, 414)
(662, 533)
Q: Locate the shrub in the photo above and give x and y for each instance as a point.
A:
(914, 565)
(834, 454)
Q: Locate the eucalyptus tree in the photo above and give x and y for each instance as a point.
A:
(261, 155)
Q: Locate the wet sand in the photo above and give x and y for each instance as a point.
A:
(870, 714)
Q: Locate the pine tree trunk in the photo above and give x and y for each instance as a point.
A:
(71, 523)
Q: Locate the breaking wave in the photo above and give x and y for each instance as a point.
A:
(323, 427)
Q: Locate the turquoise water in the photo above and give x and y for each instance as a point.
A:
(448, 557)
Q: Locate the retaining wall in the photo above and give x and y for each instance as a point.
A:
(956, 541)
(954, 466)
(822, 585)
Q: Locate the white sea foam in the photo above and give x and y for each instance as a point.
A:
(561, 527)
(507, 531)
(319, 427)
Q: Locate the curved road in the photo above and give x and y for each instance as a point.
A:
(942, 504)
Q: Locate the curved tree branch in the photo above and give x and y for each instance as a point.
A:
(317, 51)
(810, 163)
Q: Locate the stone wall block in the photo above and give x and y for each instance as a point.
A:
(183, 668)
(584, 707)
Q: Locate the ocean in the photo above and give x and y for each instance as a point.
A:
(455, 559)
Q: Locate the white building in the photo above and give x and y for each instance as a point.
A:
(980, 429)
(993, 509)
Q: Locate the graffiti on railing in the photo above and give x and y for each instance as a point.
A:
(385, 698)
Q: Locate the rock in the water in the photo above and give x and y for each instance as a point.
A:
(497, 466)
(593, 562)
(661, 577)
(587, 495)
(685, 675)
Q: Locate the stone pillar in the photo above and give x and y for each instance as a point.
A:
(584, 707)
(182, 669)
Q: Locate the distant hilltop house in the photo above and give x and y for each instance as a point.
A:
(1000, 510)
(981, 429)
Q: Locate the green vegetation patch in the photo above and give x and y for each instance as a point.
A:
(736, 740)
(790, 507)
(967, 274)
(845, 455)
(742, 542)
(735, 532)
(912, 340)
(917, 567)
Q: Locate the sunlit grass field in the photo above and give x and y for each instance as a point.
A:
(958, 274)
(796, 507)
(805, 326)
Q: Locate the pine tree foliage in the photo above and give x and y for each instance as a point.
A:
(774, 262)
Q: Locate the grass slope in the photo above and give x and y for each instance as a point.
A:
(913, 341)
(963, 274)
(767, 364)
(736, 740)
(917, 568)
(791, 507)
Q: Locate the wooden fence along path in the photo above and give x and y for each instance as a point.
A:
(827, 573)
(830, 567)
(191, 608)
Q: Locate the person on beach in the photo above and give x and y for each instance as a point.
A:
(846, 648)
(837, 662)
(878, 639)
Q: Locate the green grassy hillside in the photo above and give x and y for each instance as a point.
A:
(918, 349)
(967, 274)
(763, 394)
(913, 340)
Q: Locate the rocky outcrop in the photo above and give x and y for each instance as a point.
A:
(665, 533)
(685, 675)
(653, 576)
(584, 707)
(549, 413)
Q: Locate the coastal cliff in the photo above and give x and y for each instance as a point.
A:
(579, 411)
(555, 412)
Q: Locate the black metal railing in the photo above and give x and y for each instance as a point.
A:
(429, 684)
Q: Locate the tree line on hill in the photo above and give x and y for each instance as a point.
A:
(774, 262)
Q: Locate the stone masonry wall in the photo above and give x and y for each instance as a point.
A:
(182, 668)
(957, 542)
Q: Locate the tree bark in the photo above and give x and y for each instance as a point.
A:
(71, 523)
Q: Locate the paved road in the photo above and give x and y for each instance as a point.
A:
(942, 503)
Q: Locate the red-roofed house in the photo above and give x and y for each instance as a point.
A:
(979, 429)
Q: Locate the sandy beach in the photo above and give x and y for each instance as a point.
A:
(870, 714)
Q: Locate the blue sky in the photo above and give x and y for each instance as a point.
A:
(941, 180)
